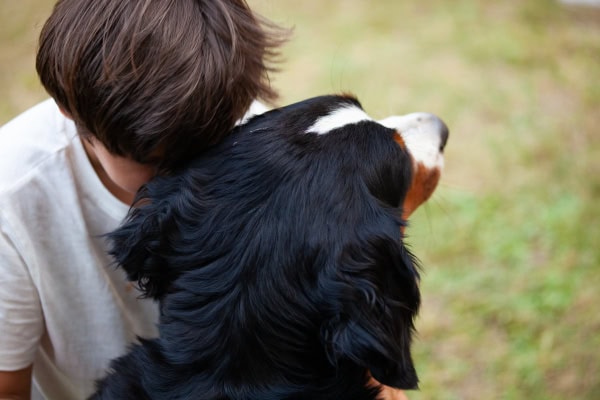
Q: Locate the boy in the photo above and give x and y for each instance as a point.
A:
(137, 87)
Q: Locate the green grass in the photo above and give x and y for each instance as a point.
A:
(509, 296)
(510, 242)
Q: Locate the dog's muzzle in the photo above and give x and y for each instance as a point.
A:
(425, 137)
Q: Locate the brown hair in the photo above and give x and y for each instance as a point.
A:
(146, 74)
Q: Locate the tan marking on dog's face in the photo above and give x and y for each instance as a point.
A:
(400, 141)
(423, 185)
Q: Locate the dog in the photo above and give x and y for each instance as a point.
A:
(278, 261)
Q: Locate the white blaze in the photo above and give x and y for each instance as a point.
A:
(347, 115)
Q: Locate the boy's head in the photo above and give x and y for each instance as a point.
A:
(142, 75)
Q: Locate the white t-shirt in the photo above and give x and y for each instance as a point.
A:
(63, 306)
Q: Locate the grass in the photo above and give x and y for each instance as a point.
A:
(510, 242)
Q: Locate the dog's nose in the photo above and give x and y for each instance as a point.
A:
(443, 130)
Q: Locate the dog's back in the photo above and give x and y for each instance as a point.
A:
(279, 265)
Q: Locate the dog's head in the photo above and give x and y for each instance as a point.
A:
(425, 136)
(278, 256)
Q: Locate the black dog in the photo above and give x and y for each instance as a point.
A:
(278, 261)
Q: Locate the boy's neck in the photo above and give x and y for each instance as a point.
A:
(116, 191)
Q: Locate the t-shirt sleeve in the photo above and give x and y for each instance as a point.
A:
(21, 321)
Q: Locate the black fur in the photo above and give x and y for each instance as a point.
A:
(279, 265)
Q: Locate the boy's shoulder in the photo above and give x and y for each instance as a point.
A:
(32, 139)
(37, 115)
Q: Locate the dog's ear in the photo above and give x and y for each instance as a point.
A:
(376, 295)
(139, 244)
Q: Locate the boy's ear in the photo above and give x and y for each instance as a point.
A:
(378, 297)
(139, 247)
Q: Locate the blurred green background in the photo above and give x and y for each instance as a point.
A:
(510, 242)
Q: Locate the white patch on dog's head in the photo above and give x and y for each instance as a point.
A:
(347, 115)
(424, 135)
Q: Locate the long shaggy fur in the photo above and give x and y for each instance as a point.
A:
(278, 262)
